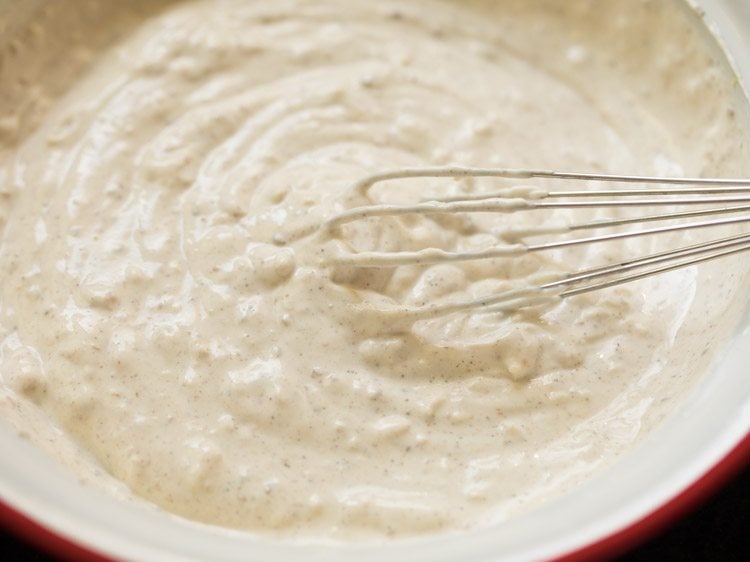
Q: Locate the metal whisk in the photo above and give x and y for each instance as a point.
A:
(716, 197)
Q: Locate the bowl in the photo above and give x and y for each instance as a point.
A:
(700, 445)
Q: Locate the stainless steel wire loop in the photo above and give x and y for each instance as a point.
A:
(720, 202)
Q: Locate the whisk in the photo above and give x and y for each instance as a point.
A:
(722, 202)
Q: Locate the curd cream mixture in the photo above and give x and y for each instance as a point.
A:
(168, 322)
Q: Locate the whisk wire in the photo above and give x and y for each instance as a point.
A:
(721, 196)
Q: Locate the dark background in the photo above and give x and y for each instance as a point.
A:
(717, 531)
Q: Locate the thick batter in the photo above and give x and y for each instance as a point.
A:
(160, 305)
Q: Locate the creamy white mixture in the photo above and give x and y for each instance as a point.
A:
(159, 305)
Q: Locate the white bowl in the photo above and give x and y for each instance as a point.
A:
(690, 454)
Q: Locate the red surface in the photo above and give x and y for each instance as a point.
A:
(607, 547)
(45, 539)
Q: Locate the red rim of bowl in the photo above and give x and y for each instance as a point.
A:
(615, 543)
